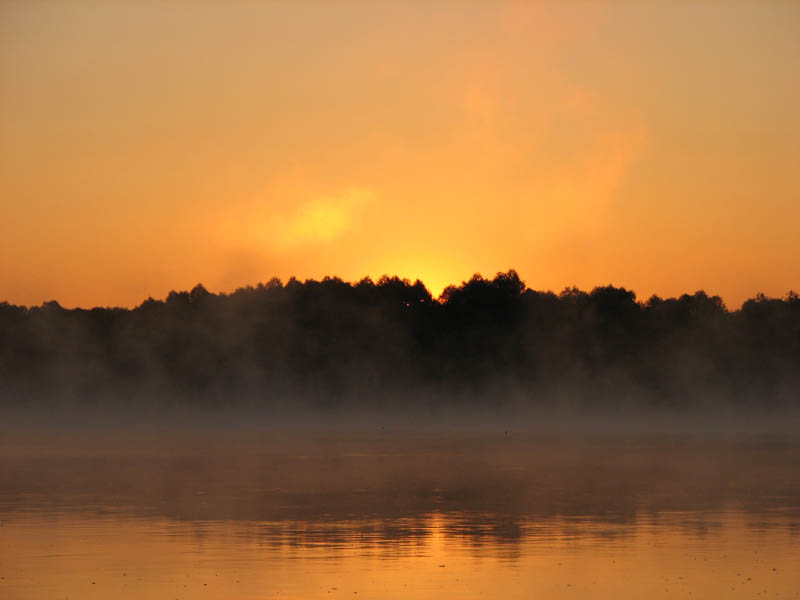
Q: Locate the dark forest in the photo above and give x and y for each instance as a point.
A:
(390, 346)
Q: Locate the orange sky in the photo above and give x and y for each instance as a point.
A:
(148, 146)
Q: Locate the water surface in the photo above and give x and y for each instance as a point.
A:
(397, 515)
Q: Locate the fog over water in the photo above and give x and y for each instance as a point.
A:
(389, 348)
(321, 438)
(384, 408)
(256, 511)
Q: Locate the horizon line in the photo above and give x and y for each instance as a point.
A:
(275, 282)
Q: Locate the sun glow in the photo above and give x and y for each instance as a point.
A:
(573, 145)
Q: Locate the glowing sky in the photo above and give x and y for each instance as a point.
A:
(148, 146)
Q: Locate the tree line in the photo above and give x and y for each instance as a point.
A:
(390, 345)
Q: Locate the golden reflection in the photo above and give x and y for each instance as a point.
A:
(106, 556)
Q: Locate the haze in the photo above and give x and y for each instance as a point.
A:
(147, 146)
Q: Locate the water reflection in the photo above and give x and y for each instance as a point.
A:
(403, 516)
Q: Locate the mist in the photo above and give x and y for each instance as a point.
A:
(489, 353)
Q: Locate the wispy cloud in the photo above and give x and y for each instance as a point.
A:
(322, 219)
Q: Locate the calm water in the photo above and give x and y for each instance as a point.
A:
(389, 515)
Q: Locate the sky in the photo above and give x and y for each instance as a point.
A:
(148, 146)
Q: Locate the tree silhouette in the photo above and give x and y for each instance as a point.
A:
(389, 344)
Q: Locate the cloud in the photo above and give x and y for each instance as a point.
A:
(323, 219)
(580, 195)
(292, 216)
